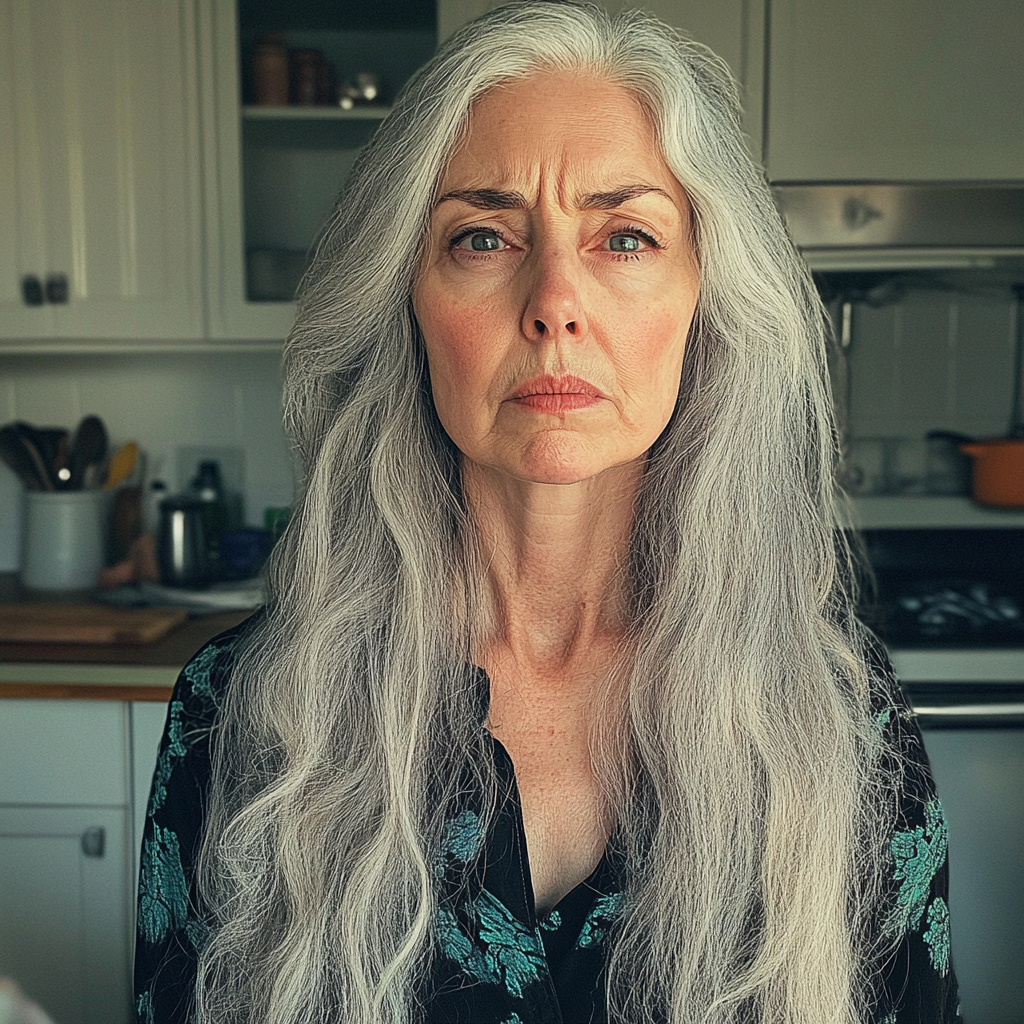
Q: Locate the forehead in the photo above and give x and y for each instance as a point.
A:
(563, 127)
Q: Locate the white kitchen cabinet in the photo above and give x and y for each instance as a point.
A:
(64, 907)
(883, 91)
(66, 887)
(100, 169)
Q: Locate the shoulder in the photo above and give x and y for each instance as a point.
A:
(195, 704)
(201, 684)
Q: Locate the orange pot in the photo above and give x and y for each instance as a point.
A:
(998, 471)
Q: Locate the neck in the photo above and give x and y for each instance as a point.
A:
(556, 557)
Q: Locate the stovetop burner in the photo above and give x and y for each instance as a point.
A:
(946, 588)
(949, 612)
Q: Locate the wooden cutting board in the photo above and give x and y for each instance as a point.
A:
(85, 624)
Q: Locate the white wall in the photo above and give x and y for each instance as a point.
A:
(168, 404)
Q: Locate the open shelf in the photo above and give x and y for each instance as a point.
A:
(321, 113)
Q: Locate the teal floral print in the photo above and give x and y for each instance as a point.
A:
(516, 952)
(507, 952)
(163, 893)
(919, 853)
(937, 935)
(199, 673)
(171, 754)
(144, 1008)
(552, 922)
(601, 917)
(462, 837)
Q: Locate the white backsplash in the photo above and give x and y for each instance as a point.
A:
(932, 361)
(167, 403)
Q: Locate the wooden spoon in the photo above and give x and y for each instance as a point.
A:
(122, 465)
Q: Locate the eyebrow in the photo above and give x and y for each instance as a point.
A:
(497, 199)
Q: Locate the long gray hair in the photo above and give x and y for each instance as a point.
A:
(745, 774)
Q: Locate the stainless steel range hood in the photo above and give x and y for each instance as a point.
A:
(905, 226)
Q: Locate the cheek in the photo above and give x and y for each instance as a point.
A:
(656, 363)
(457, 357)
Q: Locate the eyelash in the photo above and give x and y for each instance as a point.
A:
(639, 232)
(475, 230)
(627, 229)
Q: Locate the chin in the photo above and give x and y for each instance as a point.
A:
(564, 460)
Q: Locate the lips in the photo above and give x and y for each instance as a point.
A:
(555, 394)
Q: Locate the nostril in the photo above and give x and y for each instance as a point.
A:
(571, 326)
(539, 324)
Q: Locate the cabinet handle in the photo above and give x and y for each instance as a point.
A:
(32, 290)
(93, 841)
(57, 288)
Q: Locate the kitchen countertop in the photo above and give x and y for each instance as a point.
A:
(102, 671)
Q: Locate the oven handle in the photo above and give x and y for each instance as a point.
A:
(982, 714)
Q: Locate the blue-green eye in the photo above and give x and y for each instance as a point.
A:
(478, 241)
(624, 243)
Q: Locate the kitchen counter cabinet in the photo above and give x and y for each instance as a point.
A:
(79, 733)
(100, 170)
(881, 91)
(64, 906)
(65, 850)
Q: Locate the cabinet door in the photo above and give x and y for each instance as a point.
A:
(64, 908)
(23, 206)
(105, 165)
(63, 752)
(876, 90)
(232, 315)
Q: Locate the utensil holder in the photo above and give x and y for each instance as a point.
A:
(63, 539)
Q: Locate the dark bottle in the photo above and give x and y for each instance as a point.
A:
(208, 490)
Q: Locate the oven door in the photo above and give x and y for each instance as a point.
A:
(974, 736)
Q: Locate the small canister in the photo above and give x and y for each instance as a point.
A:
(270, 72)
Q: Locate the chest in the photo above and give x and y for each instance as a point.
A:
(564, 812)
(564, 822)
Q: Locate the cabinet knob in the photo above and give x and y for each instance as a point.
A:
(57, 288)
(93, 841)
(32, 290)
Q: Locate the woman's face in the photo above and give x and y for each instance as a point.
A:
(558, 284)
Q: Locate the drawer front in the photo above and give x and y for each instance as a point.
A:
(63, 752)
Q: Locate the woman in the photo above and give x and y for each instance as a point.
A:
(558, 709)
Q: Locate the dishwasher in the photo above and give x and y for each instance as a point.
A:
(949, 605)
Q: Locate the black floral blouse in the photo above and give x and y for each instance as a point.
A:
(496, 962)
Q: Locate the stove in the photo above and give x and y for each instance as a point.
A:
(945, 588)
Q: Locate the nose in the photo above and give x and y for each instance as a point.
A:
(554, 306)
